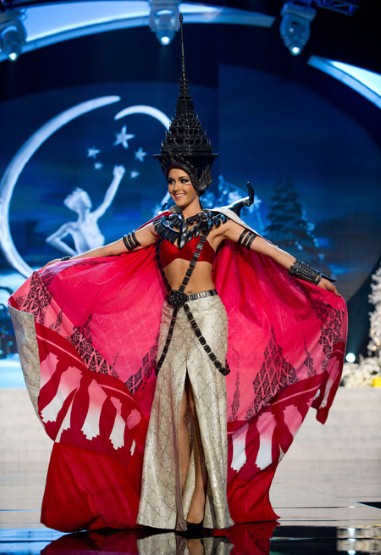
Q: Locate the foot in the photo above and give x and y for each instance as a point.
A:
(194, 525)
(197, 508)
(195, 531)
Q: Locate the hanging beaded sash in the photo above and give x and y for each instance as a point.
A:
(178, 298)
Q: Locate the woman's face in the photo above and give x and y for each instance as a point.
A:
(180, 188)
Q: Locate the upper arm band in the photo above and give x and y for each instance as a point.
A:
(131, 241)
(246, 238)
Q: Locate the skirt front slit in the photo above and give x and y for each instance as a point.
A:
(163, 504)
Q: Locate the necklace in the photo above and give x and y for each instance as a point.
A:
(179, 230)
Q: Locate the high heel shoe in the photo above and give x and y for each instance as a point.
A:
(191, 525)
(195, 529)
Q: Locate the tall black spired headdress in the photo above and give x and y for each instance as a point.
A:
(186, 145)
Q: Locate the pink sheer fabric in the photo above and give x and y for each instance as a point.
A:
(97, 324)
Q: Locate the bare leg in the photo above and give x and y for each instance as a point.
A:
(197, 506)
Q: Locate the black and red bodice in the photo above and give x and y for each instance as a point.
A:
(170, 252)
(179, 237)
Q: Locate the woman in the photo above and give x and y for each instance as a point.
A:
(210, 445)
(89, 326)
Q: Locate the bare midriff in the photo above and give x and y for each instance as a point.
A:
(201, 279)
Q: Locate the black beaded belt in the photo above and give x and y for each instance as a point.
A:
(201, 295)
(177, 299)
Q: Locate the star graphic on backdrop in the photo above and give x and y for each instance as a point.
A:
(98, 166)
(134, 174)
(92, 152)
(140, 154)
(123, 137)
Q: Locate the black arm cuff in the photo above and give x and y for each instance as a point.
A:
(303, 271)
(246, 238)
(131, 241)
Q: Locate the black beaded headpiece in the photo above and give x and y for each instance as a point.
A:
(186, 145)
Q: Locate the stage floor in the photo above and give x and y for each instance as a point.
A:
(327, 491)
(325, 507)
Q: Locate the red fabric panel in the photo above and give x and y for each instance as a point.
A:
(88, 489)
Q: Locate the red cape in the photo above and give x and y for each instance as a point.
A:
(96, 325)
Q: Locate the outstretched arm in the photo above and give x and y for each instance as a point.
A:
(145, 236)
(235, 232)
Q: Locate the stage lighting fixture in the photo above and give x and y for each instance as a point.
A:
(164, 19)
(12, 34)
(295, 26)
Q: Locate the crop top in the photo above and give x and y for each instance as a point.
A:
(170, 252)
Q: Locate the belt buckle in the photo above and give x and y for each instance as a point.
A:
(176, 298)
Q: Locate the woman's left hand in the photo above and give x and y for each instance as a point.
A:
(329, 286)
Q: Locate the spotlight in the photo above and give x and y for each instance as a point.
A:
(350, 357)
(164, 19)
(11, 43)
(295, 26)
(12, 34)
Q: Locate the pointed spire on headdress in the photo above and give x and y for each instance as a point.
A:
(184, 101)
(186, 144)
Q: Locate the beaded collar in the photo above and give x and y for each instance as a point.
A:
(177, 230)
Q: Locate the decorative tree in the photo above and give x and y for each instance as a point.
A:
(362, 374)
(289, 227)
(374, 347)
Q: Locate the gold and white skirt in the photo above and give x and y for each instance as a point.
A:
(162, 504)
